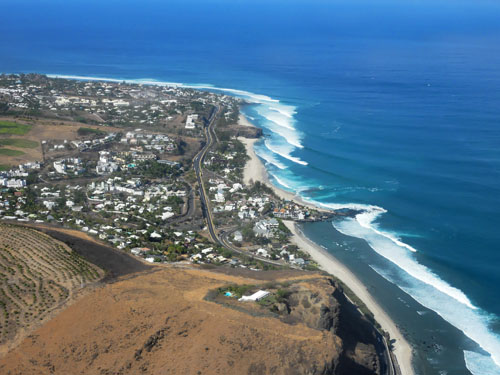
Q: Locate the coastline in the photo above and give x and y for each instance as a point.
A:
(401, 348)
(255, 171)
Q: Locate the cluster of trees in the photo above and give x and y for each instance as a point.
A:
(4, 107)
(89, 131)
(261, 188)
(153, 169)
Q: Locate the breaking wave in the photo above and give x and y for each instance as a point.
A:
(284, 154)
(268, 157)
(396, 251)
(281, 182)
(425, 286)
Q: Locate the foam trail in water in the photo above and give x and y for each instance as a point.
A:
(426, 287)
(366, 220)
(151, 81)
(287, 113)
(283, 153)
(268, 157)
(280, 120)
(362, 226)
(480, 364)
(473, 323)
(282, 126)
(281, 182)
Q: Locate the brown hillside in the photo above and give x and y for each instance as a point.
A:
(161, 323)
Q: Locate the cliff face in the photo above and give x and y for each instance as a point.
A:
(320, 304)
(244, 131)
(161, 323)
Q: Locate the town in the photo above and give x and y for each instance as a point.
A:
(124, 172)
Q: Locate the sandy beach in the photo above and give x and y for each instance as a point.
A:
(402, 349)
(255, 171)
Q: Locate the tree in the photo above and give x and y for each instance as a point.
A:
(80, 197)
(248, 233)
(4, 107)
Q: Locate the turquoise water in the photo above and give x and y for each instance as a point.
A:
(391, 107)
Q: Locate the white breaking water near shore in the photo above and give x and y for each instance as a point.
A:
(427, 288)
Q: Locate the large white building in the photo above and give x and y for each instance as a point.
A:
(190, 121)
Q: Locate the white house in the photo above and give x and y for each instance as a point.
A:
(237, 236)
(257, 296)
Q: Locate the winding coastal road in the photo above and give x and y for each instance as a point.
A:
(388, 365)
(211, 139)
(197, 165)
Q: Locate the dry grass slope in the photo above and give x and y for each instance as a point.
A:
(37, 275)
(160, 323)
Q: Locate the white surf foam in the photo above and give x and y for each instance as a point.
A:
(280, 125)
(424, 285)
(281, 182)
(145, 81)
(280, 120)
(480, 364)
(366, 220)
(269, 158)
(288, 112)
(395, 251)
(473, 323)
(256, 98)
(284, 154)
(152, 81)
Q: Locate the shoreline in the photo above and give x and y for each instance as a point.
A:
(255, 171)
(327, 262)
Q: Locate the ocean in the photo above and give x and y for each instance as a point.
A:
(391, 107)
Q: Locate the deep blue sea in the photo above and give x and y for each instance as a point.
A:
(392, 107)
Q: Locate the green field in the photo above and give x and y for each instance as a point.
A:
(17, 142)
(9, 127)
(9, 152)
(4, 167)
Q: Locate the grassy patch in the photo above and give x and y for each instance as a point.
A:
(9, 152)
(10, 127)
(17, 142)
(90, 131)
(236, 290)
(4, 167)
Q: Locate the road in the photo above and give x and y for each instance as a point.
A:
(384, 352)
(197, 164)
(211, 138)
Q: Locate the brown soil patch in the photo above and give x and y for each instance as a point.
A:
(44, 129)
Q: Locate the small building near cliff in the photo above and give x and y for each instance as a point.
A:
(257, 296)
